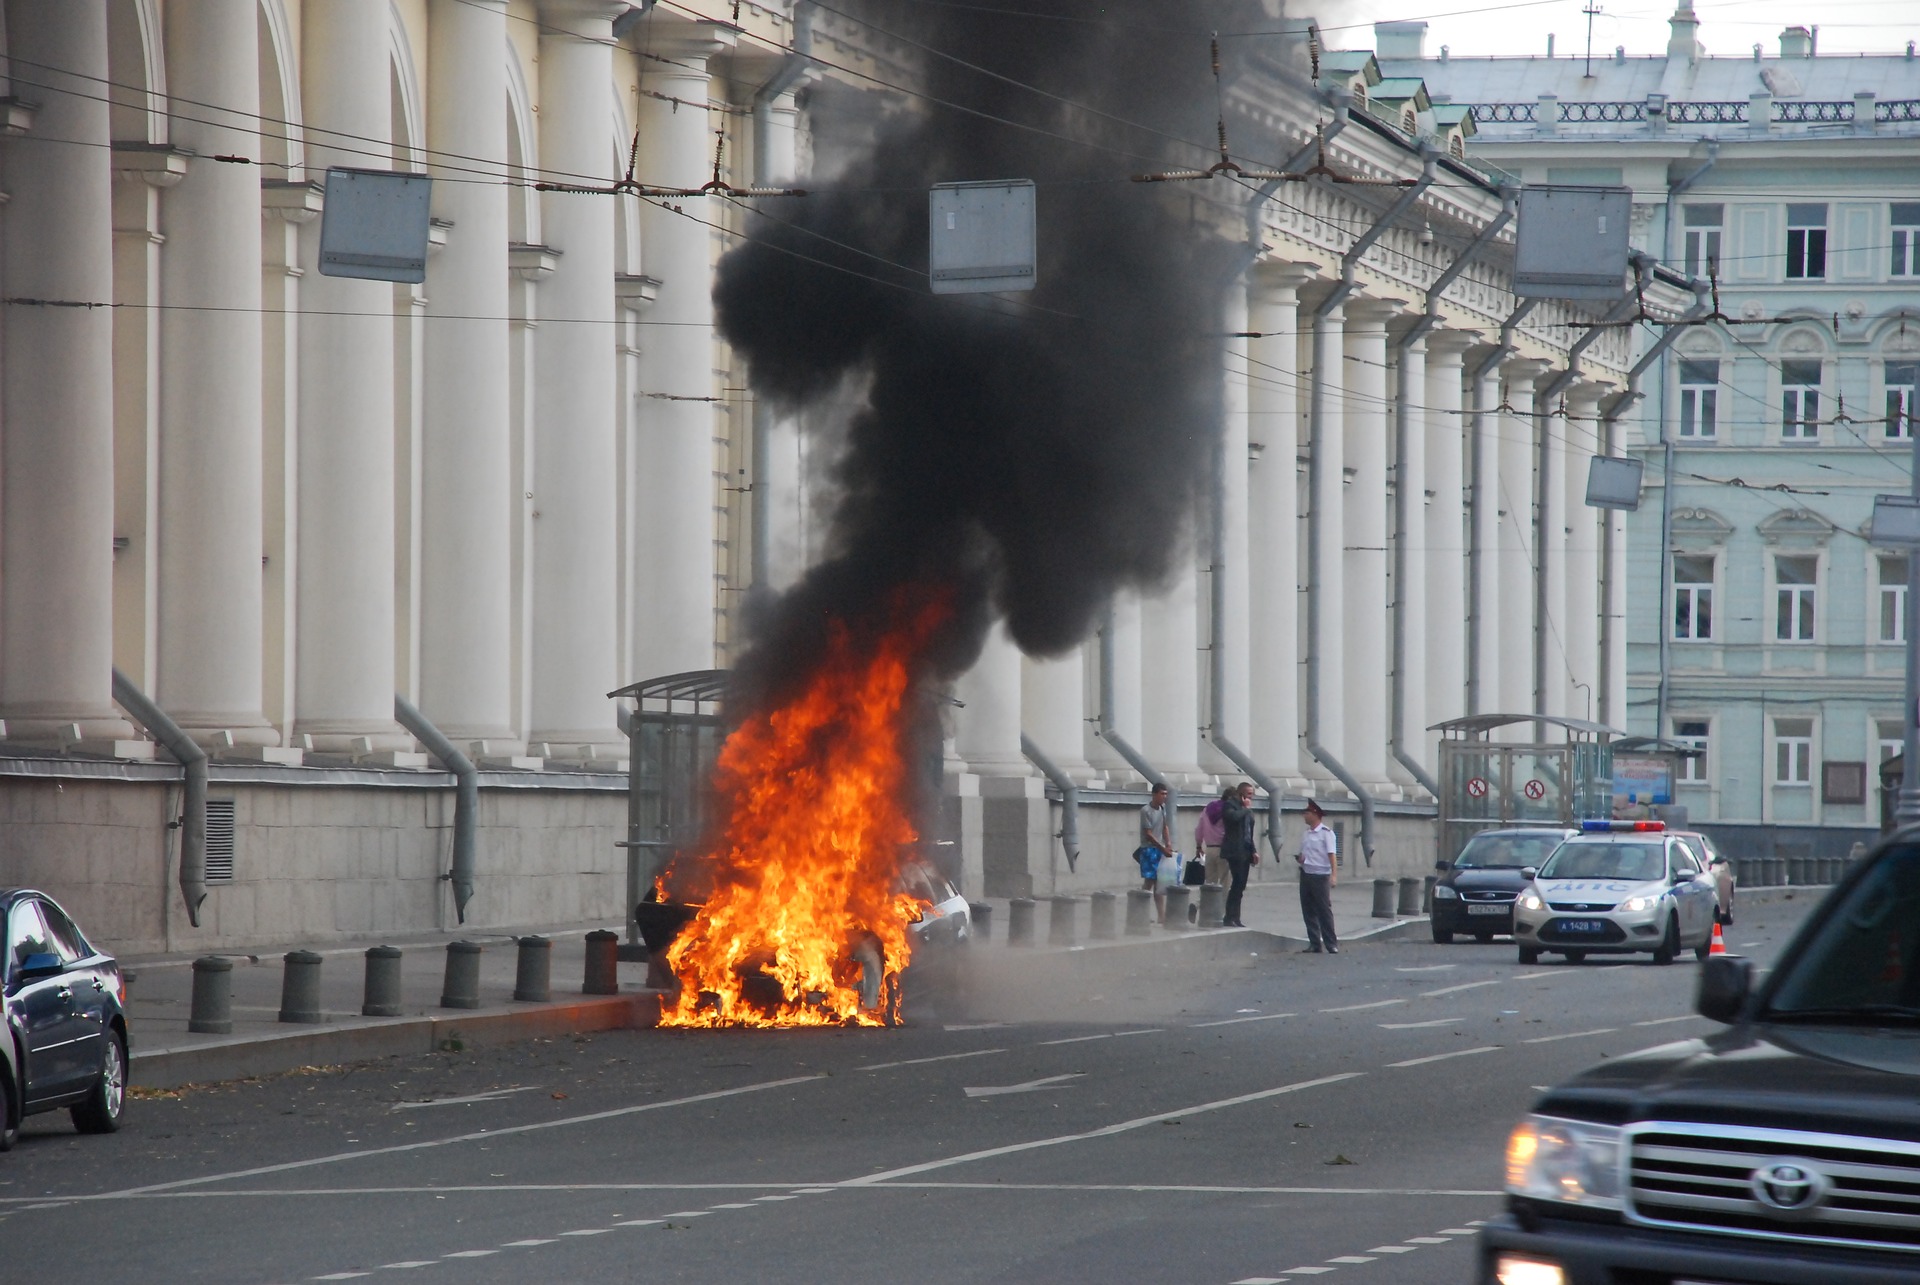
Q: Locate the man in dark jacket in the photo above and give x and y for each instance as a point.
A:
(1237, 847)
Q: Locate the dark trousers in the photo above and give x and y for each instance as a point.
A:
(1237, 867)
(1316, 907)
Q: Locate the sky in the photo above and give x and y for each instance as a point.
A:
(1726, 28)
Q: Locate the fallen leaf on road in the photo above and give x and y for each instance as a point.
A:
(1340, 1160)
(559, 1097)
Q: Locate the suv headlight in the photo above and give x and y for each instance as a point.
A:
(1531, 901)
(1566, 1160)
(1637, 903)
(1442, 893)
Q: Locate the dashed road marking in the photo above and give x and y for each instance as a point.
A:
(1662, 1021)
(1077, 1039)
(1235, 1021)
(601, 1231)
(1427, 968)
(1350, 1259)
(922, 1061)
(1355, 1008)
(470, 1253)
(1463, 986)
(1571, 1035)
(1393, 1249)
(691, 1213)
(746, 1206)
(407, 1266)
(1441, 1057)
(528, 1243)
(1460, 1231)
(1428, 1240)
(1414, 1026)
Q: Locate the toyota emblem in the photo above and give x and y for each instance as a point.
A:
(1788, 1186)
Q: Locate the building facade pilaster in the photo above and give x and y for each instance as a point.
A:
(1273, 409)
(1445, 569)
(1519, 429)
(1366, 638)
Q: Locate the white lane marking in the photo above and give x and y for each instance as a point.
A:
(470, 1253)
(1235, 1021)
(1428, 1240)
(601, 1231)
(1441, 1057)
(1571, 1035)
(813, 1191)
(401, 1267)
(1414, 1026)
(487, 1134)
(1153, 1188)
(689, 1213)
(640, 1222)
(1459, 1231)
(1463, 986)
(1355, 1008)
(342, 1276)
(1350, 1259)
(1427, 968)
(1124, 1126)
(1393, 1249)
(1308, 1271)
(527, 1244)
(734, 1206)
(1155, 1030)
(1077, 1039)
(975, 1026)
(922, 1061)
(1262, 1280)
(1662, 1021)
(781, 1197)
(1550, 972)
(1030, 1086)
(489, 1096)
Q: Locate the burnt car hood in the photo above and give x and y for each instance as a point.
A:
(1484, 879)
(1835, 1079)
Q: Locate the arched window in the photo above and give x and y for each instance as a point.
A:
(1457, 147)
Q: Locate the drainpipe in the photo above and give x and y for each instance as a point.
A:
(1484, 499)
(1403, 500)
(1069, 797)
(466, 798)
(1135, 759)
(193, 813)
(784, 78)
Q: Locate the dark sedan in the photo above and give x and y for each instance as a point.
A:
(66, 1030)
(1476, 889)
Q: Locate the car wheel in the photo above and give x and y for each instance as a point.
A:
(1575, 956)
(1442, 936)
(1669, 948)
(100, 1113)
(1529, 955)
(9, 1120)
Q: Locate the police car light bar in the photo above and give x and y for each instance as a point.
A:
(1616, 827)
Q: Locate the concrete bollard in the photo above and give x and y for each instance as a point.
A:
(981, 914)
(1178, 898)
(212, 996)
(1213, 905)
(603, 963)
(533, 971)
(1409, 897)
(1426, 894)
(1103, 909)
(1139, 912)
(1383, 893)
(382, 996)
(1020, 921)
(1064, 922)
(1797, 871)
(461, 987)
(300, 986)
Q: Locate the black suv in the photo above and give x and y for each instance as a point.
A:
(1476, 889)
(1782, 1150)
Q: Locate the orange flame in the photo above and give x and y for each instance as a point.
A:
(815, 800)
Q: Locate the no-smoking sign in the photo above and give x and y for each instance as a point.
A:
(1477, 787)
(1536, 789)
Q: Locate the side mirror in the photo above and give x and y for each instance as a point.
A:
(1678, 877)
(1529, 873)
(1443, 865)
(1725, 981)
(34, 967)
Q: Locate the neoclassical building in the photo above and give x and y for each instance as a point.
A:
(273, 499)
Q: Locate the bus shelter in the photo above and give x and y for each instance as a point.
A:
(1645, 771)
(675, 730)
(1562, 776)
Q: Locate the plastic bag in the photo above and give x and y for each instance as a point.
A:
(1168, 871)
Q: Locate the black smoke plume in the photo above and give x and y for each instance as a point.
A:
(1033, 452)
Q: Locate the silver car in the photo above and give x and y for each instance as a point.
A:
(1630, 887)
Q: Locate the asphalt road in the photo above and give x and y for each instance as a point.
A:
(1139, 1114)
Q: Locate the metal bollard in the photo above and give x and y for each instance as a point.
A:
(300, 986)
(1409, 897)
(1832, 869)
(603, 963)
(1426, 894)
(1213, 905)
(533, 975)
(1020, 921)
(981, 915)
(1797, 871)
(461, 988)
(1383, 893)
(1178, 897)
(1139, 912)
(382, 998)
(1063, 921)
(1102, 911)
(212, 996)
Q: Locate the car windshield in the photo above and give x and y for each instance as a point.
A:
(1635, 861)
(1860, 962)
(1498, 851)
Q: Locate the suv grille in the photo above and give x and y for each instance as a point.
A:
(1488, 896)
(1588, 906)
(1702, 1178)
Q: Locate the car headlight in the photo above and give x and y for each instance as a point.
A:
(1531, 901)
(1565, 1160)
(1443, 893)
(1637, 903)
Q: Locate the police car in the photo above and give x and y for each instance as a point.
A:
(1618, 887)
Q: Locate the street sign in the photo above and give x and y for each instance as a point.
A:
(1536, 789)
(982, 237)
(375, 225)
(1477, 787)
(1896, 521)
(1572, 242)
(1613, 483)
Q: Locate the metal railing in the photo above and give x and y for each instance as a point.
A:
(1793, 112)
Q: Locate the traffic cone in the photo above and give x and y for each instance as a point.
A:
(1719, 946)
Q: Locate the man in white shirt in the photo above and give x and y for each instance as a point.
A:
(1319, 857)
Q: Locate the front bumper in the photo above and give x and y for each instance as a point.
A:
(1615, 1254)
(1452, 914)
(1618, 931)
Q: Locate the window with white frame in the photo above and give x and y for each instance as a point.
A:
(1703, 225)
(1890, 737)
(1794, 583)
(1906, 239)
(1893, 597)
(1806, 242)
(1692, 597)
(1800, 400)
(1699, 398)
(1903, 380)
(1793, 751)
(1692, 733)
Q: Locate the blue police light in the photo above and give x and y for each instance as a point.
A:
(1622, 827)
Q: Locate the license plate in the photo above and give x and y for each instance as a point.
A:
(1583, 925)
(1486, 910)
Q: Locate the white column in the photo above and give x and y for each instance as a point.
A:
(1550, 526)
(1583, 556)
(1517, 429)
(986, 729)
(466, 618)
(1053, 709)
(675, 455)
(1483, 556)
(1614, 659)
(345, 652)
(1170, 674)
(1445, 641)
(1273, 408)
(575, 529)
(1365, 640)
(56, 413)
(1326, 516)
(1229, 638)
(1410, 584)
(782, 472)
